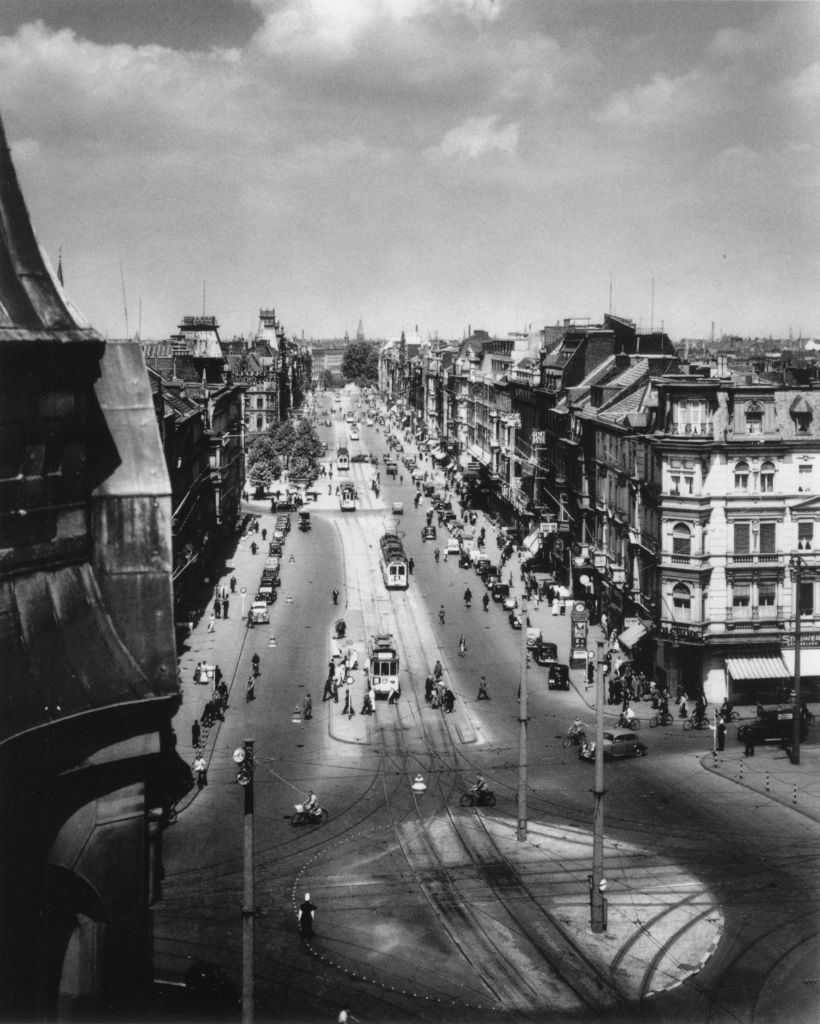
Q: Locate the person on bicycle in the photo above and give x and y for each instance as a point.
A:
(311, 805)
(479, 787)
(468, 597)
(576, 729)
(627, 717)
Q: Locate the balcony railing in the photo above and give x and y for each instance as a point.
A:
(690, 429)
(755, 558)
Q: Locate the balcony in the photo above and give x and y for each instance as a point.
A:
(690, 429)
(755, 617)
(760, 558)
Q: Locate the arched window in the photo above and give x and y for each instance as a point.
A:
(682, 601)
(767, 477)
(742, 476)
(754, 418)
(681, 539)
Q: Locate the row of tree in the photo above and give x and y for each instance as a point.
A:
(292, 445)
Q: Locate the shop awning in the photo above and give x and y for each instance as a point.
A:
(809, 661)
(762, 666)
(437, 453)
(479, 455)
(631, 635)
(532, 542)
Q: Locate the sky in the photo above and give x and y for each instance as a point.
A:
(431, 164)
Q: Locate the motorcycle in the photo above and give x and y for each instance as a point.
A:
(303, 817)
(472, 798)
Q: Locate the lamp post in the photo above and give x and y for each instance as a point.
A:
(243, 758)
(521, 831)
(796, 565)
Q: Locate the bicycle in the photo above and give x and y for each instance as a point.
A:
(695, 723)
(662, 718)
(577, 739)
(472, 799)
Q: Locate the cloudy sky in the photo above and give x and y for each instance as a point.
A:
(444, 163)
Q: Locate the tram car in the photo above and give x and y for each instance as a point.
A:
(393, 562)
(347, 496)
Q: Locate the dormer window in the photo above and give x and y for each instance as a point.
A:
(754, 418)
(801, 414)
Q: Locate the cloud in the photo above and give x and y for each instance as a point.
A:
(477, 137)
(805, 85)
(662, 100)
(336, 26)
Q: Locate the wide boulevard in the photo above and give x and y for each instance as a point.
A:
(427, 911)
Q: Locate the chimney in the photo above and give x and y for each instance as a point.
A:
(722, 365)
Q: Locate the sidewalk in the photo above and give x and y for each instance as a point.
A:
(771, 774)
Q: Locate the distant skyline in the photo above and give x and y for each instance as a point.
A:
(440, 163)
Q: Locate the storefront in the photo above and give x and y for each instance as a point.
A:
(760, 675)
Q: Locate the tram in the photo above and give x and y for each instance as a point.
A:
(393, 562)
(343, 459)
(383, 658)
(347, 496)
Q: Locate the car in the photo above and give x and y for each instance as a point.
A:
(266, 593)
(545, 653)
(398, 508)
(259, 612)
(558, 676)
(491, 576)
(510, 602)
(499, 591)
(464, 560)
(534, 637)
(622, 743)
(514, 619)
(453, 546)
(428, 533)
(481, 564)
(369, 421)
(772, 725)
(360, 457)
(275, 549)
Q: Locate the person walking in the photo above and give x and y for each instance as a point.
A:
(720, 732)
(212, 623)
(307, 708)
(195, 733)
(482, 689)
(233, 584)
(335, 595)
(225, 606)
(462, 646)
(255, 664)
(307, 915)
(201, 770)
(486, 602)
(749, 742)
(441, 615)
(249, 690)
(218, 608)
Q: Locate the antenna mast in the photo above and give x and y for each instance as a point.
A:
(124, 303)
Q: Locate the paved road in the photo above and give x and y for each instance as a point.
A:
(431, 912)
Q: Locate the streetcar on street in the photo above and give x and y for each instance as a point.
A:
(347, 496)
(393, 562)
(343, 459)
(383, 658)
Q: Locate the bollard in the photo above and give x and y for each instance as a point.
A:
(794, 797)
(767, 780)
(741, 769)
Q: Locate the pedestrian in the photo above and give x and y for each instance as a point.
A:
(225, 606)
(249, 690)
(201, 770)
(683, 706)
(720, 732)
(462, 646)
(307, 915)
(327, 693)
(195, 734)
(255, 664)
(449, 700)
(429, 687)
(438, 672)
(485, 600)
(218, 608)
(198, 673)
(590, 672)
(749, 739)
(335, 595)
(482, 689)
(393, 695)
(348, 708)
(555, 605)
(441, 614)
(307, 707)
(411, 565)
(212, 623)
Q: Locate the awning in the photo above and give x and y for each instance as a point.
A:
(762, 666)
(809, 661)
(631, 635)
(437, 453)
(479, 455)
(532, 542)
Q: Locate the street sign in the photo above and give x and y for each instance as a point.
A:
(243, 590)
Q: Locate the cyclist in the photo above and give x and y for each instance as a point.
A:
(479, 787)
(311, 805)
(576, 729)
(486, 602)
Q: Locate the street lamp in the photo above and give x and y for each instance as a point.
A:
(796, 565)
(243, 758)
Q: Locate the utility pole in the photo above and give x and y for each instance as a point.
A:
(243, 757)
(521, 833)
(797, 565)
(597, 897)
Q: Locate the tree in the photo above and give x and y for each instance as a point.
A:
(264, 464)
(327, 379)
(361, 362)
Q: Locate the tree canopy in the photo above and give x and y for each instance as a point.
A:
(294, 445)
(360, 362)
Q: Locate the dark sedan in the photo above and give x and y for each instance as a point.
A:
(428, 533)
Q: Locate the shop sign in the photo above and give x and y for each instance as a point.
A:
(599, 561)
(619, 576)
(806, 640)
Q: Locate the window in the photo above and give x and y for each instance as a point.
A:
(681, 539)
(767, 477)
(767, 538)
(674, 483)
(805, 599)
(742, 476)
(805, 536)
(260, 422)
(682, 601)
(260, 403)
(767, 595)
(754, 418)
(804, 477)
(742, 544)
(741, 595)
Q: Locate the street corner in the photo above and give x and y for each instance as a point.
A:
(771, 774)
(662, 923)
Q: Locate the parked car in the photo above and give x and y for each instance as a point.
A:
(499, 591)
(428, 533)
(534, 636)
(259, 612)
(558, 676)
(464, 560)
(266, 593)
(482, 563)
(360, 457)
(772, 725)
(491, 576)
(514, 619)
(545, 653)
(453, 546)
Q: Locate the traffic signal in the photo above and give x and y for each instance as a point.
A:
(243, 758)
